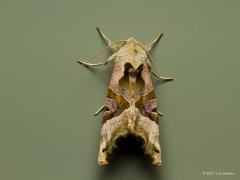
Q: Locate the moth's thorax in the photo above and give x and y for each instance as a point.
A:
(133, 53)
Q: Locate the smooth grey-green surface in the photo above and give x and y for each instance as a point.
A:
(47, 100)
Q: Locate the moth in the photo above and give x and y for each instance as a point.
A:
(131, 105)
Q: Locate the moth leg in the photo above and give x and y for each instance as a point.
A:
(159, 113)
(99, 110)
(161, 78)
(105, 38)
(98, 64)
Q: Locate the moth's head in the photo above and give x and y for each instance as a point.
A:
(117, 45)
(132, 40)
(131, 46)
(133, 52)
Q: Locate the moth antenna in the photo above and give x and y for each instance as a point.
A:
(102, 50)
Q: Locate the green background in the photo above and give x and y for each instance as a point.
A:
(47, 100)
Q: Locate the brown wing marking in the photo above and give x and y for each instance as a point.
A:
(147, 106)
(115, 104)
